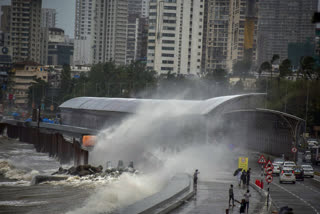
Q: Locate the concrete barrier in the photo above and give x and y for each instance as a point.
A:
(43, 178)
(179, 189)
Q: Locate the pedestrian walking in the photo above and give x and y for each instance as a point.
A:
(231, 196)
(195, 177)
(248, 176)
(244, 177)
(247, 195)
(242, 205)
(239, 177)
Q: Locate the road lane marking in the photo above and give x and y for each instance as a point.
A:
(316, 178)
(308, 187)
(307, 203)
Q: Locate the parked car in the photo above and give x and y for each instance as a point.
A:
(287, 175)
(306, 156)
(299, 173)
(289, 164)
(308, 170)
(276, 168)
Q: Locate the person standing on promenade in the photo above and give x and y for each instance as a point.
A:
(231, 195)
(195, 178)
(247, 195)
(248, 176)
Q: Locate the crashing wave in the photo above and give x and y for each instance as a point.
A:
(11, 172)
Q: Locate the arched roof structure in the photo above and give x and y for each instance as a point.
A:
(133, 105)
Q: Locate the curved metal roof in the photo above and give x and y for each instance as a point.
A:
(132, 105)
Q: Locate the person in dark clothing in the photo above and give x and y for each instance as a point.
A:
(247, 196)
(244, 177)
(231, 196)
(195, 177)
(248, 176)
(242, 205)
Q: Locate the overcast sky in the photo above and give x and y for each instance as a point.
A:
(65, 13)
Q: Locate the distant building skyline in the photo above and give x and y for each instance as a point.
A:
(65, 13)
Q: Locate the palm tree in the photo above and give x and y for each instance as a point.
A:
(265, 66)
(275, 57)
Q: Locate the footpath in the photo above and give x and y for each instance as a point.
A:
(212, 197)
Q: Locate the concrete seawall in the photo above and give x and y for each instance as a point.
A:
(179, 189)
(48, 141)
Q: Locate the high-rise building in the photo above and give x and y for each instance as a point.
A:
(136, 38)
(215, 41)
(5, 26)
(137, 33)
(145, 8)
(175, 36)
(140, 7)
(48, 17)
(5, 18)
(100, 31)
(283, 22)
(60, 50)
(242, 33)
(25, 30)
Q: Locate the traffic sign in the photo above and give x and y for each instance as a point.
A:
(262, 160)
(269, 178)
(268, 164)
(294, 150)
(243, 163)
(269, 170)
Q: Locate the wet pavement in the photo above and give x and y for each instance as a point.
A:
(212, 197)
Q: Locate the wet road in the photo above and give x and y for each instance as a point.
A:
(303, 197)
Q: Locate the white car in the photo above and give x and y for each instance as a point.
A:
(276, 169)
(306, 156)
(289, 164)
(308, 170)
(312, 143)
(287, 175)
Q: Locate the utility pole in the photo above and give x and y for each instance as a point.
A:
(307, 103)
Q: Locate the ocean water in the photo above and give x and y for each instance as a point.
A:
(19, 162)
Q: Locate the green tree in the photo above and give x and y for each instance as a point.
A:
(307, 65)
(37, 93)
(241, 69)
(285, 68)
(265, 67)
(66, 83)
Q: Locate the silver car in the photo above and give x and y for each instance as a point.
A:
(308, 170)
(276, 168)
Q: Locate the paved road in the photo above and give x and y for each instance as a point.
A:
(303, 197)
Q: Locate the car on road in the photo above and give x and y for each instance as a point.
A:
(299, 173)
(289, 164)
(276, 168)
(287, 175)
(308, 170)
(307, 156)
(312, 142)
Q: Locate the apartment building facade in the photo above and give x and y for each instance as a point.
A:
(24, 30)
(284, 22)
(100, 31)
(215, 46)
(175, 36)
(24, 74)
(242, 33)
(48, 17)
